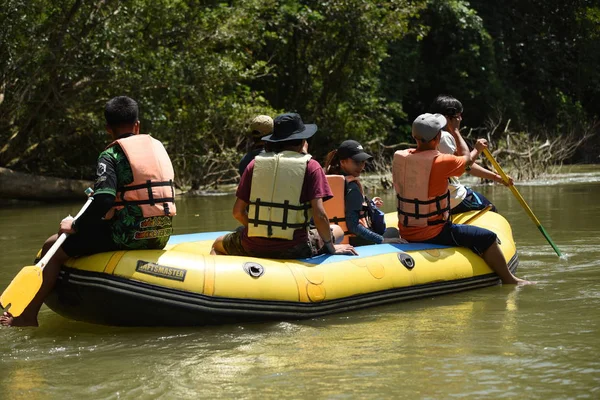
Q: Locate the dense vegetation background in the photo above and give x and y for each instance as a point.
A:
(359, 69)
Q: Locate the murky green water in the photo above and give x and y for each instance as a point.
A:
(541, 341)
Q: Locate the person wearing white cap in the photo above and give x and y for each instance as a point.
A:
(462, 198)
(421, 182)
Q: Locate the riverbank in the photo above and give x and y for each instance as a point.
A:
(377, 182)
(21, 188)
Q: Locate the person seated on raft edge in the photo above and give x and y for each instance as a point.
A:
(462, 198)
(275, 197)
(420, 179)
(349, 160)
(260, 126)
(131, 159)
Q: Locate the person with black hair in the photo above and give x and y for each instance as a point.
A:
(350, 208)
(421, 183)
(462, 198)
(133, 207)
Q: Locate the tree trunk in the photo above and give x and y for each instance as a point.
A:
(21, 186)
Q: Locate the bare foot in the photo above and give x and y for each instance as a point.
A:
(523, 282)
(513, 280)
(8, 320)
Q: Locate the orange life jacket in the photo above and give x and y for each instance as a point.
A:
(336, 206)
(152, 187)
(411, 173)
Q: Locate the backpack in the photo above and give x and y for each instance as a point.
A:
(375, 216)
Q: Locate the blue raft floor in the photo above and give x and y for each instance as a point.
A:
(363, 251)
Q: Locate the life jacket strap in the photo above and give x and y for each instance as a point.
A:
(286, 206)
(258, 203)
(151, 199)
(140, 202)
(337, 220)
(416, 202)
(281, 225)
(148, 184)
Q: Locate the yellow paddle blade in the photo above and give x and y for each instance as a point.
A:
(22, 290)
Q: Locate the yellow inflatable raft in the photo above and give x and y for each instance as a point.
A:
(184, 285)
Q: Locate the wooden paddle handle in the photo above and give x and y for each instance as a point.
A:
(42, 263)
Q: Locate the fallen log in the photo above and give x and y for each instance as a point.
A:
(22, 186)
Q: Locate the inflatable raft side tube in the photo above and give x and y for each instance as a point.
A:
(83, 295)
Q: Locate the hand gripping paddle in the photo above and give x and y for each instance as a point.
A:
(28, 281)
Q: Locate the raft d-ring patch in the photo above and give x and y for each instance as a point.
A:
(161, 271)
(253, 269)
(406, 260)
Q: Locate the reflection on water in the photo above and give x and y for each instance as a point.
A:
(533, 342)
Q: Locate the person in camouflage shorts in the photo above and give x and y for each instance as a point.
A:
(133, 202)
(129, 228)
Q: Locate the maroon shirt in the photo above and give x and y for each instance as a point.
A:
(315, 186)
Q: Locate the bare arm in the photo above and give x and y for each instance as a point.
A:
(240, 213)
(484, 173)
(461, 146)
(322, 225)
(479, 146)
(322, 222)
(463, 149)
(453, 127)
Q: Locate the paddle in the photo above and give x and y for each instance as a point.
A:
(479, 214)
(514, 190)
(28, 281)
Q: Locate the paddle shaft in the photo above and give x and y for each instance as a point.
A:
(42, 263)
(479, 214)
(516, 193)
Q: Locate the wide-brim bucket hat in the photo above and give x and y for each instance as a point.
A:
(289, 126)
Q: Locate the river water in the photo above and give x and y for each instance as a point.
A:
(534, 342)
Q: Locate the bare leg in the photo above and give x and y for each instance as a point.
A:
(495, 259)
(50, 274)
(217, 247)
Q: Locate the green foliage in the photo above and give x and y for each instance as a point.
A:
(326, 59)
(360, 69)
(447, 51)
(547, 52)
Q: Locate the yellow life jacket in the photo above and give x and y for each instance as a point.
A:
(152, 186)
(335, 208)
(411, 173)
(275, 210)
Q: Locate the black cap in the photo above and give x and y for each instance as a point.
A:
(352, 149)
(290, 127)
